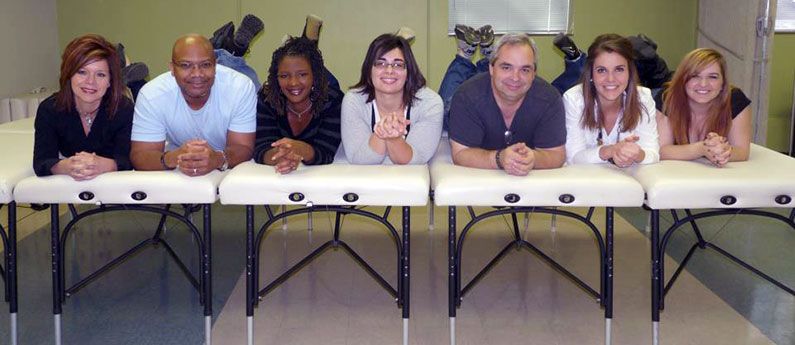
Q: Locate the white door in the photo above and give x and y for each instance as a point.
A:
(742, 30)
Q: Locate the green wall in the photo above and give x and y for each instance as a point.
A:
(149, 27)
(782, 73)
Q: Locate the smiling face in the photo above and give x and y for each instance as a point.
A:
(295, 80)
(610, 76)
(389, 73)
(193, 67)
(90, 83)
(703, 87)
(512, 72)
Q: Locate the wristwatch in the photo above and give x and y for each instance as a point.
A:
(225, 165)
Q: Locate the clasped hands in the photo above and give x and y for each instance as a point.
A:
(85, 166)
(716, 149)
(625, 152)
(286, 158)
(391, 126)
(517, 159)
(196, 158)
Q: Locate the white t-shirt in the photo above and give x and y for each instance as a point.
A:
(161, 112)
(582, 145)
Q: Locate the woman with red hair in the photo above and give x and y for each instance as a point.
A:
(706, 116)
(84, 129)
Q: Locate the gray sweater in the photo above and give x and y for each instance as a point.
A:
(424, 132)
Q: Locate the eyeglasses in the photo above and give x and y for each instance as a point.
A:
(397, 65)
(189, 66)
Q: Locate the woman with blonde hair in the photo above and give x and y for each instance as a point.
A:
(705, 115)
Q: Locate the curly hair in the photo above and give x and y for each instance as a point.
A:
(297, 47)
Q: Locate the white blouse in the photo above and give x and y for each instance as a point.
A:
(581, 143)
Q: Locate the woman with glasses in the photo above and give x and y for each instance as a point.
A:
(706, 116)
(298, 109)
(609, 117)
(83, 130)
(390, 116)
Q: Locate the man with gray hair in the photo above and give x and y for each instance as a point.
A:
(508, 119)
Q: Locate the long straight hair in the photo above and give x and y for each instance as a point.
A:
(676, 104)
(82, 51)
(378, 48)
(610, 43)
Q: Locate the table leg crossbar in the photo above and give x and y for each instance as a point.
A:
(203, 241)
(455, 248)
(400, 292)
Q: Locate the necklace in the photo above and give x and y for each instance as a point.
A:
(89, 117)
(301, 113)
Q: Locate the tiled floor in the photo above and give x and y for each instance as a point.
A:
(332, 301)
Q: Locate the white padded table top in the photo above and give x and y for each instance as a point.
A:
(160, 187)
(16, 162)
(697, 184)
(19, 126)
(591, 185)
(374, 185)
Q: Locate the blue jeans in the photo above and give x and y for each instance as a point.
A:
(459, 71)
(571, 74)
(237, 63)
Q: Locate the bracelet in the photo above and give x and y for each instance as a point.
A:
(497, 160)
(225, 164)
(163, 161)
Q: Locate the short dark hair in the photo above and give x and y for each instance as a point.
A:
(378, 48)
(297, 47)
(82, 51)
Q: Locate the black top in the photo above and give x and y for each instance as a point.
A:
(476, 120)
(62, 132)
(322, 133)
(738, 101)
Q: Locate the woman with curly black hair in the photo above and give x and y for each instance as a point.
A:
(298, 109)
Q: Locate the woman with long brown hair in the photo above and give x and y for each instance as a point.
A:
(706, 116)
(89, 120)
(609, 116)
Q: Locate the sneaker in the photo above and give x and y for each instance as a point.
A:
(467, 34)
(486, 34)
(312, 27)
(468, 40)
(250, 26)
(122, 54)
(222, 38)
(567, 46)
(643, 46)
(134, 72)
(407, 33)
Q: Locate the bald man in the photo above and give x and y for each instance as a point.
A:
(197, 118)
